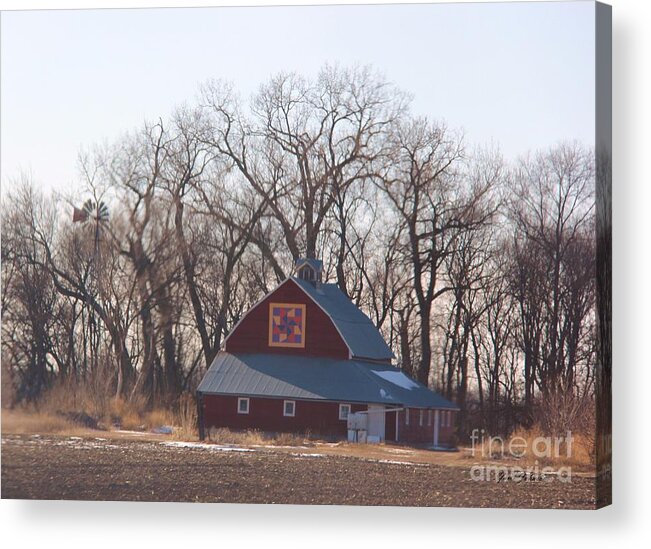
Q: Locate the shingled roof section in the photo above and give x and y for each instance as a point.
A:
(360, 334)
(285, 376)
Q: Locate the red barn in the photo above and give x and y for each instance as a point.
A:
(304, 358)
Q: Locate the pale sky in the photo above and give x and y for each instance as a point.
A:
(518, 75)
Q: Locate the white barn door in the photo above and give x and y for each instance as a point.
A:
(376, 422)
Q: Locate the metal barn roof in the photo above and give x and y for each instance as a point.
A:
(316, 264)
(294, 377)
(360, 334)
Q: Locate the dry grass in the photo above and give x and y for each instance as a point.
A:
(290, 439)
(125, 415)
(185, 421)
(68, 406)
(92, 397)
(159, 417)
(134, 416)
(226, 436)
(254, 438)
(534, 445)
(20, 422)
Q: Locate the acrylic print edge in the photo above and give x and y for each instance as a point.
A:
(603, 196)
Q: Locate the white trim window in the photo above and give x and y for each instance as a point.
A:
(289, 408)
(406, 416)
(344, 410)
(429, 418)
(242, 405)
(420, 418)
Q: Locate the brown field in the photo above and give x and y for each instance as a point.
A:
(145, 467)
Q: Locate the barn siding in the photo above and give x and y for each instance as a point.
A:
(447, 434)
(316, 417)
(266, 414)
(417, 434)
(321, 335)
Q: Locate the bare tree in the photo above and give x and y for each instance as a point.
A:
(552, 212)
(424, 186)
(29, 303)
(305, 144)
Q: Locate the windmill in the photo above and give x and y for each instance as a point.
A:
(96, 213)
(96, 216)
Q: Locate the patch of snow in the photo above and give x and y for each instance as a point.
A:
(276, 446)
(204, 446)
(410, 463)
(399, 451)
(11, 440)
(95, 445)
(68, 442)
(397, 378)
(302, 454)
(78, 443)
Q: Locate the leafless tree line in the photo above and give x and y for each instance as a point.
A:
(481, 274)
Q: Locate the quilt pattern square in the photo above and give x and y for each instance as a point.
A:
(286, 325)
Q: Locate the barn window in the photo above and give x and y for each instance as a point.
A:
(289, 408)
(420, 418)
(307, 273)
(429, 418)
(406, 416)
(344, 410)
(242, 405)
(447, 418)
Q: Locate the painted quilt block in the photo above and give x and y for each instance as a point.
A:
(286, 325)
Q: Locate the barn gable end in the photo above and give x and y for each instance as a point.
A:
(318, 334)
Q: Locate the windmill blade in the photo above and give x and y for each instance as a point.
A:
(102, 212)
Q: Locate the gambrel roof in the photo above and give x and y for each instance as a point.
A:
(317, 378)
(358, 332)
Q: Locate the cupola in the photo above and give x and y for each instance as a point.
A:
(309, 269)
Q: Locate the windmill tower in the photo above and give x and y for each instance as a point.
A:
(95, 216)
